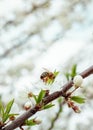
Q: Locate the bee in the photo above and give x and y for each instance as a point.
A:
(47, 76)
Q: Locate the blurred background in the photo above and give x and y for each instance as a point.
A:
(51, 34)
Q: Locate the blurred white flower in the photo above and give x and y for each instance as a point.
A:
(15, 108)
(24, 95)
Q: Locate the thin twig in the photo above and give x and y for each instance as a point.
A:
(57, 115)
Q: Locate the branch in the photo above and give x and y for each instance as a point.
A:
(24, 41)
(20, 120)
(34, 7)
(57, 115)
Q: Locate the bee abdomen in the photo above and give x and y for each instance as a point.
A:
(44, 74)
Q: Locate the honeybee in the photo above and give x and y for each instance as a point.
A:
(47, 76)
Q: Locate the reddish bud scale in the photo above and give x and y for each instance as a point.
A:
(70, 104)
(76, 109)
(12, 118)
(30, 94)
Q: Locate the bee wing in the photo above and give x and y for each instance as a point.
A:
(46, 69)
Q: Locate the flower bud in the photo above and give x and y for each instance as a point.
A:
(77, 80)
(37, 121)
(76, 109)
(70, 104)
(27, 105)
